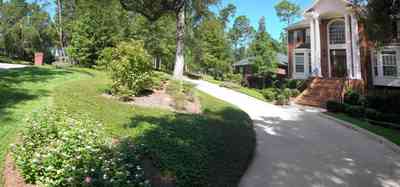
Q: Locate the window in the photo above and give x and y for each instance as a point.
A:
(376, 65)
(308, 36)
(398, 29)
(309, 64)
(297, 36)
(389, 63)
(337, 32)
(299, 58)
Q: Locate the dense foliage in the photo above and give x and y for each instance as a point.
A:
(213, 50)
(193, 149)
(96, 25)
(25, 28)
(130, 67)
(376, 108)
(379, 18)
(57, 150)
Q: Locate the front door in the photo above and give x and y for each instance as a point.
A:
(338, 63)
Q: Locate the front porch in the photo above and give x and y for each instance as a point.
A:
(333, 37)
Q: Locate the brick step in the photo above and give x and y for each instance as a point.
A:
(319, 91)
(309, 103)
(324, 85)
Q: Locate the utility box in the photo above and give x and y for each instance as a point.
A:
(39, 59)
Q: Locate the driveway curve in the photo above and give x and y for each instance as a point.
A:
(11, 66)
(296, 147)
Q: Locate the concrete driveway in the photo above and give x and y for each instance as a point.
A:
(296, 147)
(11, 66)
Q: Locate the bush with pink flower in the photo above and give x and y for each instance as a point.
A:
(57, 150)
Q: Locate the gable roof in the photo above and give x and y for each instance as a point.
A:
(349, 2)
(280, 57)
(298, 25)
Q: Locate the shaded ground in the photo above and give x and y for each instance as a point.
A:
(209, 149)
(23, 91)
(297, 147)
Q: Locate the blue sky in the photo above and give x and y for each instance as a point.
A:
(254, 9)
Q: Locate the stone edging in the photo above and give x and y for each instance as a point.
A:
(367, 133)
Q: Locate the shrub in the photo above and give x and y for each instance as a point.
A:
(335, 107)
(230, 85)
(159, 79)
(295, 93)
(234, 78)
(355, 111)
(282, 100)
(60, 151)
(391, 117)
(352, 98)
(130, 67)
(373, 114)
(194, 76)
(287, 93)
(269, 94)
(385, 103)
(292, 84)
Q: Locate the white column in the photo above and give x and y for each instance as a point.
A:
(349, 49)
(356, 48)
(318, 71)
(313, 52)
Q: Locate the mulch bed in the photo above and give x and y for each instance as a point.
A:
(160, 99)
(12, 177)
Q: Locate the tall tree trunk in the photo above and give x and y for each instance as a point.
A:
(180, 43)
(61, 37)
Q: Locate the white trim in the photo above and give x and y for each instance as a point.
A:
(381, 80)
(305, 74)
(313, 39)
(349, 46)
(356, 49)
(317, 71)
(317, 1)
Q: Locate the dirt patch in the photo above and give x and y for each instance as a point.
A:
(160, 99)
(12, 177)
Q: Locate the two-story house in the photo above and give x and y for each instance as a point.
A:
(329, 48)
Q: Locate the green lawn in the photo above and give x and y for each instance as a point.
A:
(23, 91)
(388, 133)
(244, 90)
(211, 149)
(252, 93)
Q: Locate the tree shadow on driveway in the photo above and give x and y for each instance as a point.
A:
(309, 150)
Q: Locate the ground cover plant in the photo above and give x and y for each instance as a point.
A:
(23, 91)
(211, 149)
(57, 150)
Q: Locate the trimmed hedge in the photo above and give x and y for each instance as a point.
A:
(359, 111)
(355, 111)
(335, 107)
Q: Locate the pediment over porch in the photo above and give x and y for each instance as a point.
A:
(329, 8)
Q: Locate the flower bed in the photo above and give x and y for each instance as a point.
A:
(57, 150)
